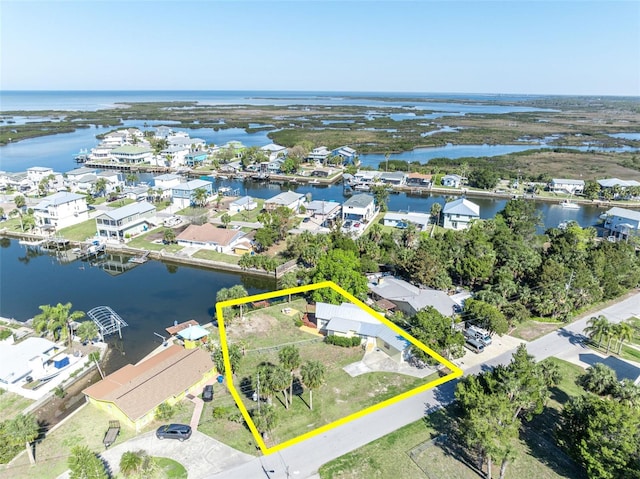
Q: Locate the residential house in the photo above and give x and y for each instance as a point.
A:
(166, 182)
(163, 132)
(208, 236)
(566, 186)
(619, 187)
(273, 151)
(319, 155)
(324, 212)
(183, 140)
(137, 193)
(359, 208)
(194, 159)
(60, 210)
(323, 172)
(409, 298)
(133, 393)
(113, 180)
(175, 155)
(454, 181)
(115, 139)
(126, 221)
(348, 155)
(246, 203)
(36, 174)
(419, 179)
(622, 223)
(459, 213)
(183, 194)
(291, 200)
(26, 358)
(366, 177)
(393, 178)
(71, 178)
(102, 152)
(19, 181)
(402, 220)
(131, 154)
(349, 320)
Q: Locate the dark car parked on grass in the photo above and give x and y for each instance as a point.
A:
(207, 393)
(174, 431)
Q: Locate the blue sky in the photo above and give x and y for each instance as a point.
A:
(532, 47)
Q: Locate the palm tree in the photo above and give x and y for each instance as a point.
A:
(100, 187)
(84, 464)
(279, 380)
(20, 202)
(599, 379)
(624, 332)
(130, 463)
(312, 373)
(87, 330)
(56, 320)
(290, 359)
(226, 220)
(24, 429)
(436, 209)
(95, 357)
(609, 333)
(628, 393)
(596, 328)
(200, 196)
(169, 235)
(131, 178)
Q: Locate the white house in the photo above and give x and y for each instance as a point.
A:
(273, 151)
(622, 223)
(394, 178)
(401, 220)
(567, 186)
(208, 236)
(366, 176)
(611, 182)
(72, 177)
(36, 174)
(102, 152)
(183, 140)
(324, 211)
(246, 203)
(359, 208)
(409, 298)
(132, 154)
(459, 213)
(454, 181)
(26, 358)
(113, 180)
(319, 155)
(61, 210)
(127, 221)
(183, 194)
(175, 155)
(291, 200)
(19, 181)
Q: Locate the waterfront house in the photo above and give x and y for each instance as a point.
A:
(246, 203)
(349, 320)
(131, 154)
(418, 179)
(402, 220)
(618, 186)
(409, 298)
(366, 177)
(393, 178)
(113, 180)
(324, 212)
(102, 152)
(291, 200)
(622, 223)
(273, 151)
(319, 155)
(166, 182)
(566, 186)
(348, 155)
(183, 140)
(194, 159)
(26, 358)
(453, 181)
(18, 181)
(322, 172)
(60, 210)
(163, 132)
(126, 221)
(175, 155)
(36, 174)
(115, 139)
(459, 214)
(359, 208)
(133, 393)
(208, 236)
(183, 194)
(71, 178)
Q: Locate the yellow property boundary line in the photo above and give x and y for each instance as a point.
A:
(455, 370)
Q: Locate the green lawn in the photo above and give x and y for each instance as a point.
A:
(12, 404)
(215, 256)
(145, 242)
(169, 469)
(536, 453)
(249, 216)
(80, 232)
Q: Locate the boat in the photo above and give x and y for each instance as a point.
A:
(362, 187)
(570, 205)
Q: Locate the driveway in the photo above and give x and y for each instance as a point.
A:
(201, 455)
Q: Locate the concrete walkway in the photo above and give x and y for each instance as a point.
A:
(199, 406)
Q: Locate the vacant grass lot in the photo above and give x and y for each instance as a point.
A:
(536, 453)
(12, 404)
(86, 427)
(80, 232)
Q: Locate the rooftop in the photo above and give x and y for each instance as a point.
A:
(57, 199)
(397, 290)
(130, 150)
(286, 198)
(208, 233)
(358, 201)
(624, 213)
(461, 206)
(15, 358)
(129, 210)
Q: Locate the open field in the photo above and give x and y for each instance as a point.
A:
(80, 232)
(12, 404)
(536, 453)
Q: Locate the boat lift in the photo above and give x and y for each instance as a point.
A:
(107, 320)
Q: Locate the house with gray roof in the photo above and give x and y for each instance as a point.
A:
(183, 194)
(349, 320)
(132, 154)
(622, 223)
(359, 208)
(324, 211)
(409, 298)
(60, 210)
(402, 220)
(290, 199)
(453, 181)
(566, 186)
(127, 221)
(458, 214)
(394, 178)
(26, 358)
(273, 151)
(245, 203)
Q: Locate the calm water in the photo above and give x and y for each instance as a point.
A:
(149, 297)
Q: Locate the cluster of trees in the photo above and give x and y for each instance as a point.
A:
(226, 294)
(17, 433)
(56, 321)
(494, 403)
(275, 225)
(85, 464)
(436, 331)
(600, 329)
(602, 430)
(258, 261)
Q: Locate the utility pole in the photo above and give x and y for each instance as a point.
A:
(258, 388)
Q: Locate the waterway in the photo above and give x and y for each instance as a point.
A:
(149, 297)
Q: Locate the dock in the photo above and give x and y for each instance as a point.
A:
(140, 259)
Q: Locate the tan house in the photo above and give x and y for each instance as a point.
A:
(209, 236)
(133, 393)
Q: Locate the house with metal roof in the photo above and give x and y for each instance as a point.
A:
(183, 194)
(348, 155)
(394, 178)
(359, 208)
(453, 181)
(613, 182)
(245, 203)
(60, 210)
(273, 151)
(398, 219)
(349, 320)
(324, 211)
(127, 221)
(319, 155)
(458, 214)
(290, 199)
(132, 154)
(133, 393)
(566, 186)
(409, 298)
(622, 223)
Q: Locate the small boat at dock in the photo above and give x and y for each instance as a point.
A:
(570, 205)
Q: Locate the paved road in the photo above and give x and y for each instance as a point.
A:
(304, 459)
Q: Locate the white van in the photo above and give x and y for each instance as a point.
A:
(474, 332)
(474, 345)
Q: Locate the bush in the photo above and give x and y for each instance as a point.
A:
(220, 412)
(342, 341)
(165, 411)
(5, 333)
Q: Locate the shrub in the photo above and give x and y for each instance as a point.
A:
(5, 333)
(165, 411)
(342, 341)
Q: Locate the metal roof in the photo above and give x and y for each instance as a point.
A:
(624, 213)
(57, 199)
(358, 201)
(461, 206)
(129, 210)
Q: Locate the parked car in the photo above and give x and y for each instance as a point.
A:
(180, 432)
(474, 345)
(207, 393)
(480, 334)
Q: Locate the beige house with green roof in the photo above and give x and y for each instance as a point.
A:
(132, 154)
